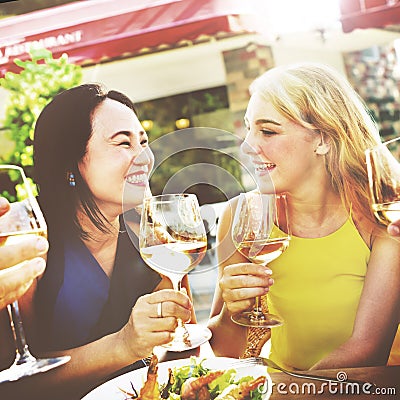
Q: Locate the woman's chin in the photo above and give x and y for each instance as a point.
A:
(266, 186)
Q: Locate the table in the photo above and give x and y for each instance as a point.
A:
(386, 379)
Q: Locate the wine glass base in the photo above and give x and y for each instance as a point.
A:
(263, 321)
(18, 371)
(198, 335)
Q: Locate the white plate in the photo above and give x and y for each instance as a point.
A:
(111, 389)
(198, 334)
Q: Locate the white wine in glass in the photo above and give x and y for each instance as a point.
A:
(383, 169)
(260, 232)
(173, 242)
(23, 219)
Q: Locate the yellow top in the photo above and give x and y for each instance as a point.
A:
(318, 284)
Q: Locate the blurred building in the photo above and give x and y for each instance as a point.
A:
(188, 63)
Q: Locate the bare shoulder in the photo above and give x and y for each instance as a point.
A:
(365, 228)
(385, 249)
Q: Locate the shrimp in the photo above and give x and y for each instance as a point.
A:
(242, 391)
(196, 388)
(150, 390)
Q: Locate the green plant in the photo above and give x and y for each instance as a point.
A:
(40, 79)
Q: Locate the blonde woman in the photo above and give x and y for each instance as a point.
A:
(337, 286)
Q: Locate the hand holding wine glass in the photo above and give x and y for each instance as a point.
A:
(23, 220)
(260, 232)
(384, 180)
(173, 242)
(19, 264)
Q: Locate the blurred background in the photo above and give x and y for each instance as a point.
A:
(187, 64)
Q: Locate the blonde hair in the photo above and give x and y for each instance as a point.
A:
(317, 97)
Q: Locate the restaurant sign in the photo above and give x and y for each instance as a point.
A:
(21, 47)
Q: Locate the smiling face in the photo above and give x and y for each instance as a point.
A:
(118, 160)
(281, 151)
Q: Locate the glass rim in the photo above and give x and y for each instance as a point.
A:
(10, 166)
(160, 197)
(390, 141)
(283, 195)
(28, 190)
(21, 171)
(381, 145)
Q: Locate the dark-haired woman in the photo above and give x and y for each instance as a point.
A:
(97, 300)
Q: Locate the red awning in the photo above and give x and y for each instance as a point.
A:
(369, 14)
(96, 30)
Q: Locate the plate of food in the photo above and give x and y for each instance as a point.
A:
(188, 379)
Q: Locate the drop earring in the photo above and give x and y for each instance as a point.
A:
(71, 179)
(323, 148)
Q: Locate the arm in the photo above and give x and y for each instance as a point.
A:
(93, 363)
(377, 314)
(239, 283)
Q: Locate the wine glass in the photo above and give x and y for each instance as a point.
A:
(260, 232)
(384, 180)
(173, 241)
(23, 219)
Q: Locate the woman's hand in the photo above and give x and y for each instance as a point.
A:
(146, 328)
(20, 264)
(241, 283)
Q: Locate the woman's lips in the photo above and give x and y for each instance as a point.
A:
(138, 178)
(265, 167)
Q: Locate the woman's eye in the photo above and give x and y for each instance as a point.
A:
(144, 141)
(125, 144)
(267, 132)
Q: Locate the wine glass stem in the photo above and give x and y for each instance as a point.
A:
(22, 352)
(257, 305)
(181, 333)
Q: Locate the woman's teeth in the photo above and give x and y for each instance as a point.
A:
(136, 178)
(265, 167)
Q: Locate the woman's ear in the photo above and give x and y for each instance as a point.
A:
(322, 147)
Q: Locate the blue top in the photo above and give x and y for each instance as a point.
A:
(78, 303)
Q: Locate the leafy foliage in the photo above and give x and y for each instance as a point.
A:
(39, 80)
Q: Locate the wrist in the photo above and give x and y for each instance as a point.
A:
(125, 347)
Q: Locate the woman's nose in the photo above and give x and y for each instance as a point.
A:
(248, 147)
(145, 157)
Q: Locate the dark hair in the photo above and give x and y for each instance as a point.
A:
(62, 132)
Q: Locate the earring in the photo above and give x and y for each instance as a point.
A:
(71, 179)
(322, 149)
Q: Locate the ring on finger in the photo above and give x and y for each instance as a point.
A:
(159, 310)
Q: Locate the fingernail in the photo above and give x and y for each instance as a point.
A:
(394, 230)
(268, 271)
(39, 266)
(270, 281)
(42, 244)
